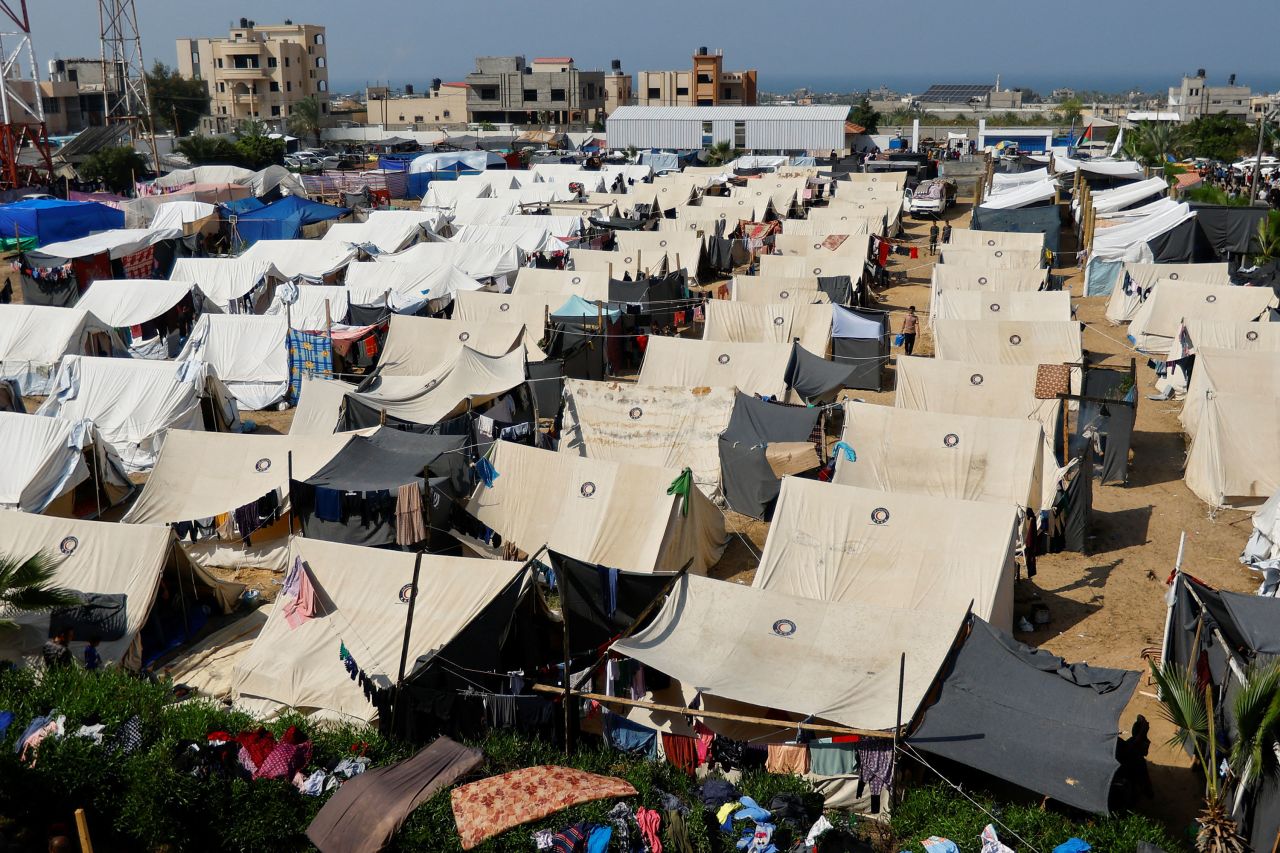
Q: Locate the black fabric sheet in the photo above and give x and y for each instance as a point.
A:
(1114, 421)
(839, 288)
(1025, 716)
(366, 518)
(1182, 244)
(1077, 507)
(100, 615)
(749, 484)
(1256, 619)
(1042, 219)
(1230, 229)
(58, 294)
(546, 378)
(583, 591)
(391, 458)
(813, 377)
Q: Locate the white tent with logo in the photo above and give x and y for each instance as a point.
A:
(416, 346)
(963, 238)
(313, 260)
(590, 285)
(769, 289)
(992, 258)
(794, 266)
(250, 355)
(1026, 342)
(1136, 280)
(1156, 322)
(809, 325)
(1042, 306)
(752, 368)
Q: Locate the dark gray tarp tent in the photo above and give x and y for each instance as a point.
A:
(813, 377)
(1230, 230)
(1042, 219)
(596, 614)
(839, 288)
(352, 499)
(1182, 244)
(749, 484)
(1026, 716)
(860, 341)
(1113, 420)
(1207, 630)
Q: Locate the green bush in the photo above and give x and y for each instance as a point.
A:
(940, 810)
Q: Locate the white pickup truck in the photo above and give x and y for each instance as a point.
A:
(931, 197)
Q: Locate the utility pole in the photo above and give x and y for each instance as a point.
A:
(1257, 159)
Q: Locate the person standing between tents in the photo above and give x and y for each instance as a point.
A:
(933, 239)
(910, 325)
(946, 234)
(57, 652)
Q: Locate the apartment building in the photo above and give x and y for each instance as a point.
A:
(443, 105)
(617, 88)
(506, 90)
(704, 84)
(74, 96)
(1195, 97)
(258, 72)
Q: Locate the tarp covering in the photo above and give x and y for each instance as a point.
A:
(811, 377)
(765, 290)
(1230, 229)
(1232, 461)
(96, 557)
(249, 354)
(310, 259)
(1110, 201)
(809, 325)
(478, 260)
(389, 458)
(131, 302)
(648, 425)
(971, 388)
(34, 338)
(760, 436)
(45, 460)
(969, 457)
(201, 474)
(298, 667)
(470, 378)
(417, 346)
(1019, 196)
(1129, 241)
(624, 516)
(1026, 716)
(1157, 320)
(1052, 306)
(1128, 169)
(847, 543)
(222, 280)
(283, 219)
(51, 220)
(1028, 342)
(753, 368)
(115, 244)
(860, 342)
(131, 401)
(778, 651)
(1040, 221)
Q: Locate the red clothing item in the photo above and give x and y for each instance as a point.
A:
(258, 744)
(681, 751)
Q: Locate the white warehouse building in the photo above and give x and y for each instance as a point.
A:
(760, 130)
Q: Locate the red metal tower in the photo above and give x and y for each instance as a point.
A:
(24, 139)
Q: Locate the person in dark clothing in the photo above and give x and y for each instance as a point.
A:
(910, 326)
(933, 239)
(946, 234)
(92, 660)
(57, 651)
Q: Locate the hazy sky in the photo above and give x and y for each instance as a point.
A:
(828, 44)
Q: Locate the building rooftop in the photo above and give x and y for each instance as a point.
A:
(955, 93)
(823, 112)
(556, 60)
(456, 85)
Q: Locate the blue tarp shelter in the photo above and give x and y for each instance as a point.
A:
(447, 166)
(577, 308)
(55, 220)
(282, 220)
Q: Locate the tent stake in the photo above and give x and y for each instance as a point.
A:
(82, 826)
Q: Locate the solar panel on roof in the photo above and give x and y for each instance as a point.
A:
(956, 92)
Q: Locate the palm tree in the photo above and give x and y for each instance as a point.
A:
(306, 117)
(1190, 710)
(720, 153)
(1269, 238)
(1152, 143)
(26, 585)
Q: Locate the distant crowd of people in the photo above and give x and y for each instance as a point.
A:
(1239, 185)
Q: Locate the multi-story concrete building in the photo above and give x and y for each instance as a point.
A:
(705, 84)
(258, 72)
(617, 88)
(75, 94)
(443, 105)
(1194, 97)
(504, 90)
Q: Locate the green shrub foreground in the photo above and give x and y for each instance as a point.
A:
(141, 802)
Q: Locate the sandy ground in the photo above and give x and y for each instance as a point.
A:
(1107, 605)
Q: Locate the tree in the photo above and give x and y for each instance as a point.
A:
(1152, 143)
(1219, 137)
(209, 150)
(487, 125)
(175, 98)
(117, 168)
(1070, 110)
(27, 585)
(865, 115)
(1190, 710)
(1269, 238)
(721, 153)
(256, 149)
(306, 118)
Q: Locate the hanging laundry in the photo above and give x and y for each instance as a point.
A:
(302, 606)
(310, 355)
(875, 762)
(681, 486)
(410, 528)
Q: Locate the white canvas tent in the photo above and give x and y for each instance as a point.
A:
(1020, 195)
(361, 589)
(847, 543)
(97, 557)
(948, 277)
(223, 281)
(409, 287)
(1118, 198)
(610, 263)
(1135, 281)
(968, 457)
(528, 239)
(818, 266)
(963, 238)
(757, 649)
(1224, 334)
(648, 425)
(381, 235)
(651, 248)
(973, 388)
(809, 325)
(1051, 306)
(417, 346)
(1234, 460)
(313, 260)
(1170, 303)
(480, 261)
(34, 338)
(516, 308)
(851, 243)
(46, 461)
(319, 402)
(772, 289)
(752, 368)
(1026, 342)
(1222, 371)
(482, 211)
(561, 284)
(133, 402)
(854, 225)
(122, 304)
(623, 514)
(249, 354)
(993, 259)
(315, 307)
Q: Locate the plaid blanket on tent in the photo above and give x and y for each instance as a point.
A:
(309, 354)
